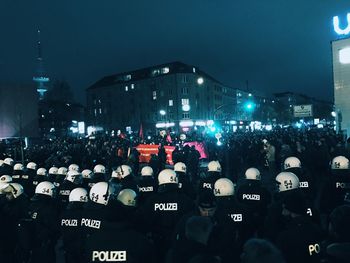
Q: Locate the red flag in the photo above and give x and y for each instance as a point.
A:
(141, 132)
(168, 138)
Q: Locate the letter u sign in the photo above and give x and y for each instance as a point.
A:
(336, 24)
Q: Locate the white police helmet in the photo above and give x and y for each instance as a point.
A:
(53, 170)
(340, 163)
(214, 166)
(62, 171)
(78, 195)
(73, 167)
(291, 162)
(287, 181)
(12, 188)
(252, 174)
(100, 193)
(127, 197)
(1, 162)
(18, 167)
(73, 176)
(99, 168)
(180, 167)
(41, 172)
(31, 166)
(147, 171)
(45, 188)
(167, 176)
(9, 161)
(123, 171)
(5, 179)
(224, 187)
(87, 174)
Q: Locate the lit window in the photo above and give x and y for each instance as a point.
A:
(99, 102)
(171, 103)
(154, 93)
(100, 110)
(185, 115)
(126, 88)
(132, 86)
(239, 94)
(155, 72)
(344, 55)
(95, 112)
(194, 70)
(185, 101)
(127, 77)
(165, 70)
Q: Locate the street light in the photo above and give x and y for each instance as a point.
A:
(162, 112)
(200, 81)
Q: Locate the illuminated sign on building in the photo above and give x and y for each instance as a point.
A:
(337, 28)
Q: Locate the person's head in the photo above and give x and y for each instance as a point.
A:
(260, 251)
(294, 204)
(206, 203)
(198, 229)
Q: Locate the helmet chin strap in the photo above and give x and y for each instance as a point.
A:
(105, 196)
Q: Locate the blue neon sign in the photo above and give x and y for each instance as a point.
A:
(341, 31)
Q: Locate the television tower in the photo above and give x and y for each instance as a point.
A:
(40, 77)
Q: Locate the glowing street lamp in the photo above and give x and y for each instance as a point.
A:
(200, 81)
(162, 112)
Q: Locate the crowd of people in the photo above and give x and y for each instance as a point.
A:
(278, 196)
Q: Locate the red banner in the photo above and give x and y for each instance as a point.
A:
(146, 150)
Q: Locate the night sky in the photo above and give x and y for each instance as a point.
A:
(277, 45)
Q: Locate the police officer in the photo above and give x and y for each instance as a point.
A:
(184, 181)
(87, 176)
(206, 183)
(73, 167)
(165, 208)
(117, 239)
(27, 178)
(287, 183)
(147, 185)
(99, 173)
(254, 195)
(235, 222)
(126, 178)
(70, 226)
(11, 212)
(61, 175)
(300, 241)
(41, 176)
(292, 164)
(336, 189)
(39, 232)
(7, 166)
(52, 174)
(73, 180)
(18, 170)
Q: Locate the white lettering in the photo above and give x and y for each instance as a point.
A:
(16, 176)
(25, 176)
(207, 185)
(251, 197)
(91, 223)
(109, 256)
(304, 184)
(34, 215)
(309, 212)
(342, 185)
(314, 249)
(236, 217)
(165, 206)
(146, 189)
(64, 192)
(69, 222)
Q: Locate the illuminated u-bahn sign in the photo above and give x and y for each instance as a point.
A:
(341, 30)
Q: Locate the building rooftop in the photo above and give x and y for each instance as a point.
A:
(150, 72)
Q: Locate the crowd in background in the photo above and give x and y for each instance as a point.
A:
(277, 196)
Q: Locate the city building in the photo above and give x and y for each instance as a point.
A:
(175, 95)
(341, 75)
(40, 77)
